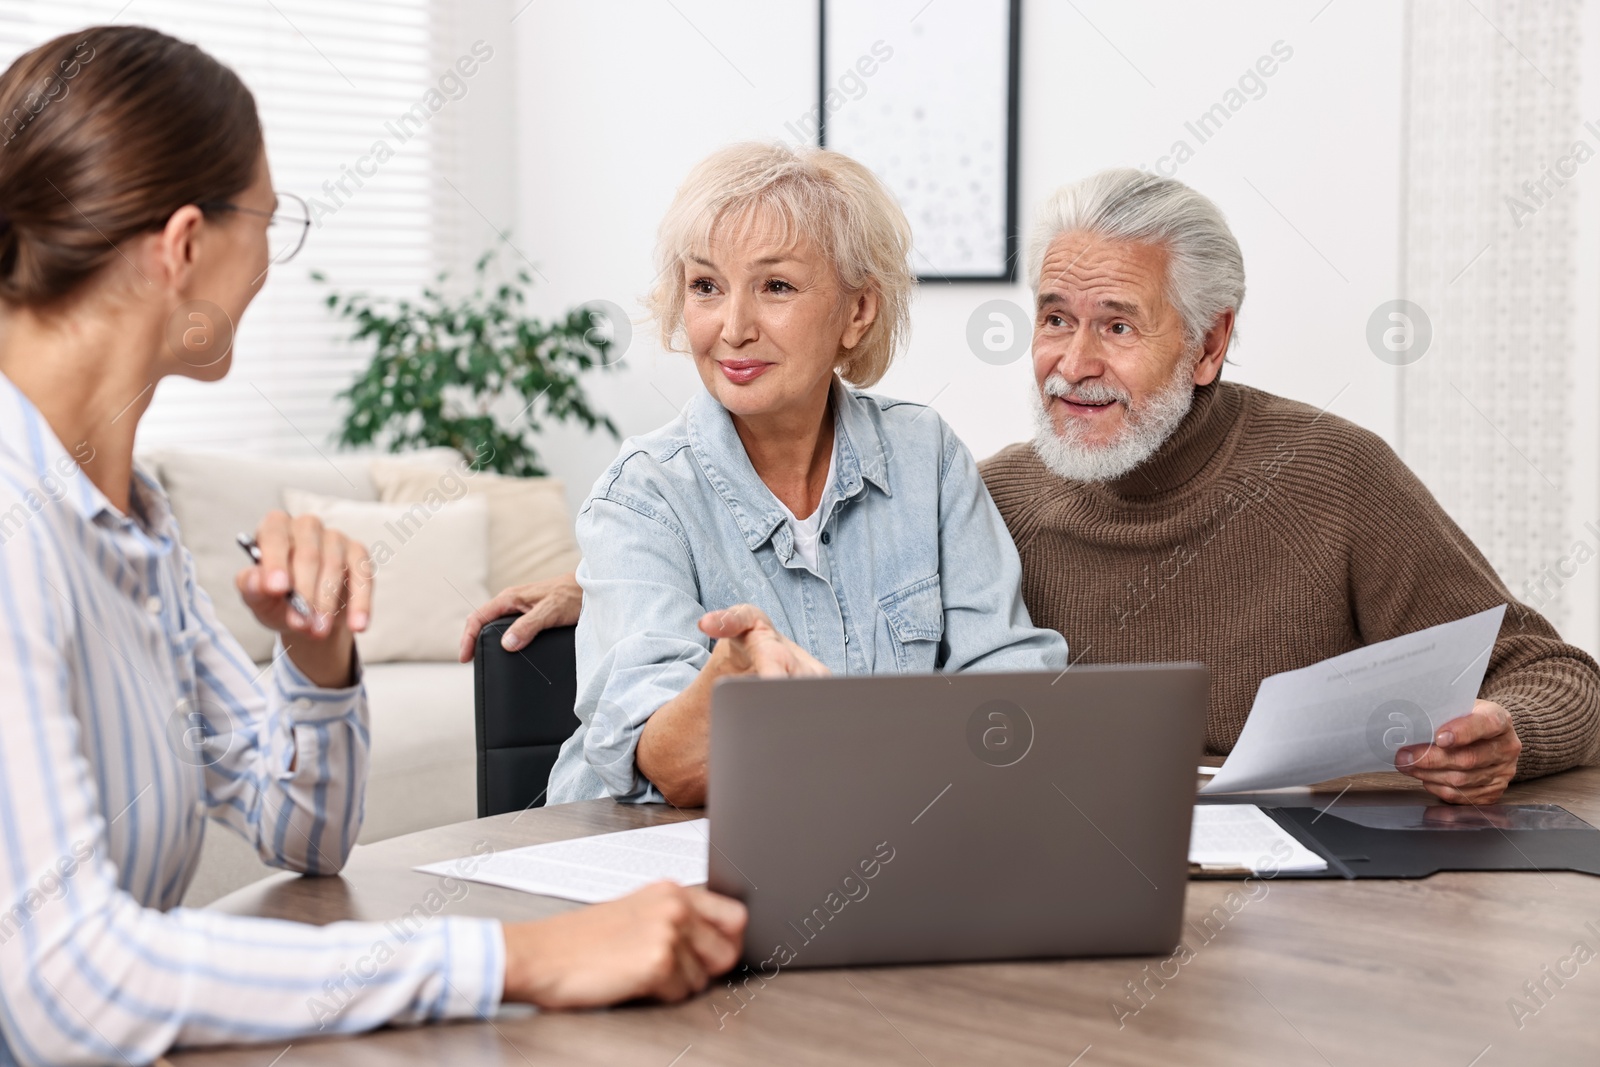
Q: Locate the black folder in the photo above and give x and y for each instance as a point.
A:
(1416, 840)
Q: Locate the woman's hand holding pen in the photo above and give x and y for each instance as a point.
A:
(331, 573)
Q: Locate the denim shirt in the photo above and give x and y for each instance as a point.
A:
(918, 570)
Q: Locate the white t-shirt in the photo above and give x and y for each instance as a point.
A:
(807, 530)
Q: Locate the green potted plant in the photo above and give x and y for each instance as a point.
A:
(442, 362)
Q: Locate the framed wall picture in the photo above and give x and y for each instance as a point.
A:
(925, 94)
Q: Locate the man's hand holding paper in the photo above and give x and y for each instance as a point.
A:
(1471, 759)
(1407, 704)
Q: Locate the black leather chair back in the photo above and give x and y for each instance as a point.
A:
(524, 713)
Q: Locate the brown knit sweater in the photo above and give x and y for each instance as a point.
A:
(1264, 536)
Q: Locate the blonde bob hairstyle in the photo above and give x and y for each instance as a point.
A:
(813, 194)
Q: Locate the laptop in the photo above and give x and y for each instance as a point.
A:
(926, 818)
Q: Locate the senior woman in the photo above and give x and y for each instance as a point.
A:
(784, 524)
(139, 197)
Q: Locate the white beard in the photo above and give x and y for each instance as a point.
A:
(1145, 430)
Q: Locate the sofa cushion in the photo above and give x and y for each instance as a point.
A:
(530, 529)
(216, 496)
(431, 569)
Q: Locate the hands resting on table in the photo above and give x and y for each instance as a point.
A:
(1471, 759)
(664, 942)
(667, 942)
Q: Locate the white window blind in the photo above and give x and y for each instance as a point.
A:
(331, 79)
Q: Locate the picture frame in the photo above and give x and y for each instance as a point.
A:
(926, 96)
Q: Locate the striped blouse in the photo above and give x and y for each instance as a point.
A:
(128, 716)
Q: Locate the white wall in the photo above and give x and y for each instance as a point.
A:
(616, 100)
(481, 131)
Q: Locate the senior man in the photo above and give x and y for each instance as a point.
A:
(1164, 514)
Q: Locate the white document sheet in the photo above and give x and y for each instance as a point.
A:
(594, 869)
(1349, 714)
(1242, 835)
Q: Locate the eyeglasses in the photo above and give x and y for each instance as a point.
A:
(286, 226)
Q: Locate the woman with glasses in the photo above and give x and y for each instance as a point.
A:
(129, 205)
(287, 224)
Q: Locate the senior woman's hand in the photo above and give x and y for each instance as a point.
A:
(676, 740)
(748, 643)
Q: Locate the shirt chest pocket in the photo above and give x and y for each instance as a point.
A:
(914, 617)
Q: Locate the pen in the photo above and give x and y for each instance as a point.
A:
(296, 601)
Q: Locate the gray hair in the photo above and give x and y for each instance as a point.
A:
(1205, 273)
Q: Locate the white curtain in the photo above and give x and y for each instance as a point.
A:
(1487, 413)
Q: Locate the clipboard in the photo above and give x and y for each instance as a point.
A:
(1418, 840)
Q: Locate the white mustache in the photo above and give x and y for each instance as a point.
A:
(1086, 392)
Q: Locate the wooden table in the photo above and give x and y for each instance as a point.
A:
(1300, 972)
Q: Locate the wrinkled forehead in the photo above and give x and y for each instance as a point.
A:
(1086, 271)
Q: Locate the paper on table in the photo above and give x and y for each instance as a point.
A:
(1349, 714)
(595, 869)
(1242, 835)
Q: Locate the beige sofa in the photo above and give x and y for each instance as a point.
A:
(423, 761)
(423, 771)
